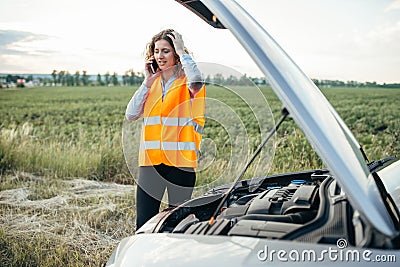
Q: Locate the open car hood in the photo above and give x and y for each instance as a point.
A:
(312, 112)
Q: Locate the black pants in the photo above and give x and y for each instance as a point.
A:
(152, 182)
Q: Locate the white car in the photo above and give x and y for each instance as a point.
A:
(347, 213)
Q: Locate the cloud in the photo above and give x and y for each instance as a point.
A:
(394, 5)
(388, 33)
(18, 42)
(20, 51)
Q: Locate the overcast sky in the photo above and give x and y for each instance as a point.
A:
(328, 39)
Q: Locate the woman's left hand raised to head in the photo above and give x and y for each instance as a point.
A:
(178, 42)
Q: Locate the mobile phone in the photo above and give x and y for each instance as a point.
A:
(154, 66)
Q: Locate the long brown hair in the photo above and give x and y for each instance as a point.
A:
(159, 36)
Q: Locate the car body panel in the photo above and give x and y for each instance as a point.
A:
(180, 250)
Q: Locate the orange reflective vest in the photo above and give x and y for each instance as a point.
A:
(173, 126)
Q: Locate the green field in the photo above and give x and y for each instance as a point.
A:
(76, 132)
(51, 138)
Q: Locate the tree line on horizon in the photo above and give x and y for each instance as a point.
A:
(131, 78)
(64, 78)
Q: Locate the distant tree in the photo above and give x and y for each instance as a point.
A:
(136, 77)
(107, 77)
(219, 79)
(54, 75)
(316, 82)
(244, 80)
(231, 80)
(85, 78)
(125, 78)
(69, 79)
(61, 77)
(99, 80)
(391, 85)
(77, 78)
(114, 79)
(208, 79)
(132, 77)
(371, 84)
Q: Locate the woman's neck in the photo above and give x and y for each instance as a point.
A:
(168, 73)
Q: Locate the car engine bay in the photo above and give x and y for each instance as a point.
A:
(307, 207)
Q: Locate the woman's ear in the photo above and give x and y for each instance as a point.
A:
(177, 58)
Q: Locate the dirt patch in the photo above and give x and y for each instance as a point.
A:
(90, 217)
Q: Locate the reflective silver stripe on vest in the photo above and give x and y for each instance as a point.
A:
(177, 121)
(148, 145)
(178, 146)
(154, 120)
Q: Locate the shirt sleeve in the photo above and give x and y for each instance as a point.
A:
(135, 107)
(193, 74)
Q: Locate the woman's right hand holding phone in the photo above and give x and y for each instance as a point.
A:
(150, 73)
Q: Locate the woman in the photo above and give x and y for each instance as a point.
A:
(171, 101)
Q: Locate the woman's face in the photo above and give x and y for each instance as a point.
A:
(164, 54)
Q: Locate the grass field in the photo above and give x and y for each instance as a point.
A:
(66, 194)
